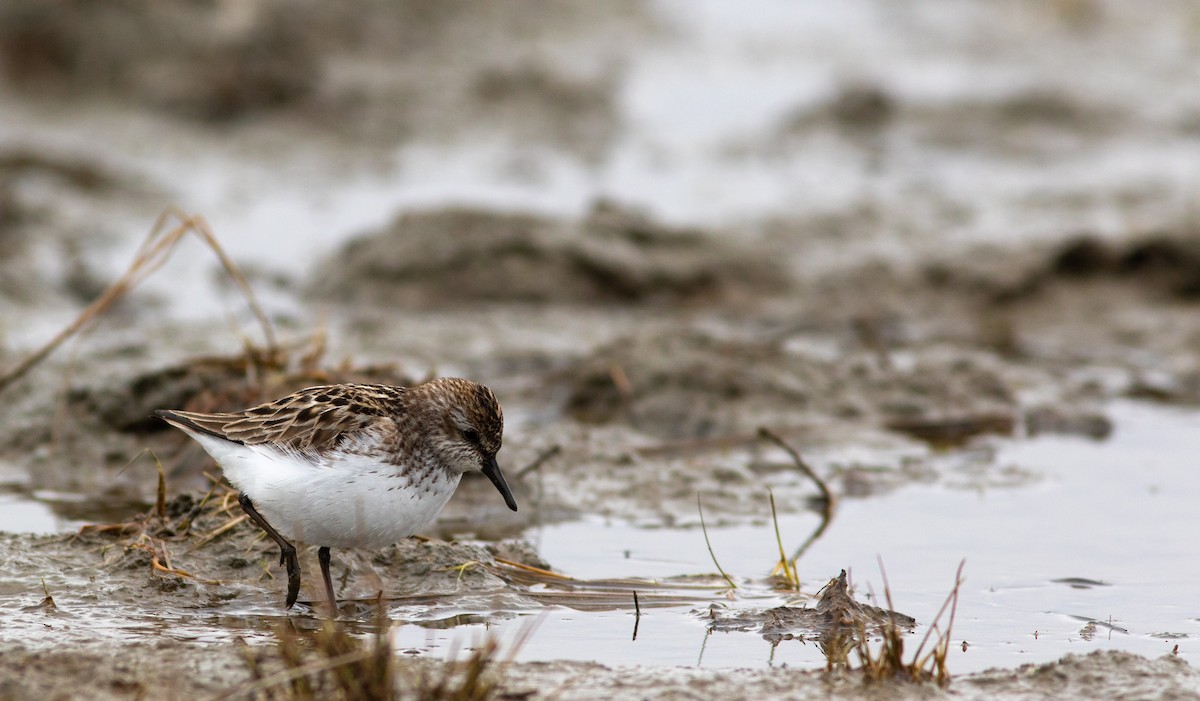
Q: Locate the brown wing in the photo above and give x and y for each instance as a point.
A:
(317, 418)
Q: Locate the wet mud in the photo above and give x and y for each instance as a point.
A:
(139, 669)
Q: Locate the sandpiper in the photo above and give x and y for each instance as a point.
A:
(351, 465)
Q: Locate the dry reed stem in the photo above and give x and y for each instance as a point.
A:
(160, 559)
(160, 496)
(621, 381)
(185, 525)
(218, 532)
(534, 570)
(827, 498)
(155, 251)
(118, 528)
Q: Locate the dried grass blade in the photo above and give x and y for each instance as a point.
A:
(154, 251)
(707, 542)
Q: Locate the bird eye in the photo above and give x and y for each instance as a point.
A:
(471, 435)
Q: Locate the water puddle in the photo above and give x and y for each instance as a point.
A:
(24, 511)
(27, 515)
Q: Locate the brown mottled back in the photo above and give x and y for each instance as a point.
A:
(313, 419)
(321, 419)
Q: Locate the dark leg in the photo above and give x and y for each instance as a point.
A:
(323, 556)
(287, 551)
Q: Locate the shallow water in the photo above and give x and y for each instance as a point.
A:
(22, 514)
(1120, 512)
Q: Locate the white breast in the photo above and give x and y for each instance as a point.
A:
(345, 502)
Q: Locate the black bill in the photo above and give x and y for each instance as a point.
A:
(492, 469)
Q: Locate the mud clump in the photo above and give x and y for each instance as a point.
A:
(686, 384)
(835, 615)
(1162, 262)
(1067, 421)
(464, 256)
(689, 384)
(855, 108)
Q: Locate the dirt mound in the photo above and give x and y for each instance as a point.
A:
(1166, 263)
(836, 615)
(1102, 673)
(465, 256)
(186, 57)
(690, 384)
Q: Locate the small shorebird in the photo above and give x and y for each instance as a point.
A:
(352, 466)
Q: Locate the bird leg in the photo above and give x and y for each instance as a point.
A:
(287, 551)
(323, 556)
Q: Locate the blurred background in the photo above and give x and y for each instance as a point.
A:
(844, 130)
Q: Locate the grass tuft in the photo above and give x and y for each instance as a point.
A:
(331, 664)
(791, 578)
(888, 663)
